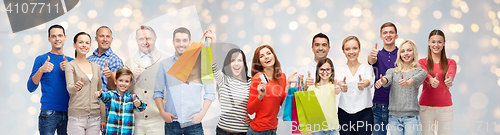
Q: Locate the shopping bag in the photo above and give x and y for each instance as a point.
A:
(309, 112)
(287, 104)
(184, 65)
(207, 75)
(295, 118)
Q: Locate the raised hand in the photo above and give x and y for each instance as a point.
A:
(292, 78)
(361, 84)
(262, 90)
(63, 63)
(403, 82)
(137, 102)
(380, 82)
(137, 71)
(448, 81)
(210, 35)
(47, 66)
(97, 94)
(309, 79)
(434, 81)
(79, 85)
(106, 71)
(343, 86)
(373, 54)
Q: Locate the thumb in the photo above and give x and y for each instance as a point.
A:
(402, 77)
(135, 97)
(335, 81)
(106, 64)
(360, 78)
(139, 65)
(380, 76)
(308, 74)
(64, 57)
(344, 79)
(447, 76)
(436, 76)
(48, 59)
(82, 79)
(376, 44)
(100, 91)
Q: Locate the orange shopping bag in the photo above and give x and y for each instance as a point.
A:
(184, 65)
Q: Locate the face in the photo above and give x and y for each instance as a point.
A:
(181, 42)
(145, 40)
(266, 58)
(388, 35)
(104, 38)
(237, 64)
(82, 44)
(320, 47)
(351, 50)
(123, 82)
(436, 43)
(407, 54)
(325, 71)
(57, 38)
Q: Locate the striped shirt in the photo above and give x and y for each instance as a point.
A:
(121, 113)
(233, 99)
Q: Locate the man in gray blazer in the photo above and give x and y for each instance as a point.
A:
(144, 65)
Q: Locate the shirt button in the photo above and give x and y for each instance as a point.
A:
(145, 79)
(145, 104)
(145, 91)
(146, 116)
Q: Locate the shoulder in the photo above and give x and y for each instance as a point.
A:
(451, 61)
(256, 77)
(422, 61)
(94, 65)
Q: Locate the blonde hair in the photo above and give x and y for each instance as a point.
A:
(399, 66)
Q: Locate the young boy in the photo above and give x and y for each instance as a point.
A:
(121, 117)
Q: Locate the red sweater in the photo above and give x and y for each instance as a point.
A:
(439, 96)
(266, 111)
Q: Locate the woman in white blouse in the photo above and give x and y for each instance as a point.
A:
(355, 80)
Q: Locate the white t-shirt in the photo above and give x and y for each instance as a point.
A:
(355, 100)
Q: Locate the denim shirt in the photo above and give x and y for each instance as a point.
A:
(183, 100)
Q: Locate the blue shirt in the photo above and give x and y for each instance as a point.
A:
(385, 61)
(121, 113)
(114, 63)
(54, 93)
(182, 100)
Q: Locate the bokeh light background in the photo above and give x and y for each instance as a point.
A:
(471, 27)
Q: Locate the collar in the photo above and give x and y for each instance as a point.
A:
(150, 54)
(107, 52)
(394, 52)
(124, 94)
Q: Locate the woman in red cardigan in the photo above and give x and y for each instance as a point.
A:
(265, 99)
(436, 109)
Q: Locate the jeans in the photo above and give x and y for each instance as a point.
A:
(326, 132)
(49, 121)
(380, 118)
(174, 128)
(267, 132)
(84, 125)
(360, 123)
(438, 119)
(405, 125)
(220, 131)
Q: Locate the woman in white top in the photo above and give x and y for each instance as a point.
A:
(355, 80)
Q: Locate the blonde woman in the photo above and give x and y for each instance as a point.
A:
(404, 80)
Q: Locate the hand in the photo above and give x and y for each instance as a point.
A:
(309, 79)
(210, 35)
(361, 84)
(337, 88)
(97, 94)
(374, 52)
(292, 78)
(448, 81)
(47, 66)
(434, 81)
(379, 82)
(197, 117)
(343, 87)
(106, 71)
(79, 85)
(248, 120)
(167, 116)
(262, 90)
(137, 102)
(63, 63)
(103, 125)
(403, 82)
(137, 71)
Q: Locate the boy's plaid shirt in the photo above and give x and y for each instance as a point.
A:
(121, 114)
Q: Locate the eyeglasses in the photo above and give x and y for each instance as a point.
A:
(325, 70)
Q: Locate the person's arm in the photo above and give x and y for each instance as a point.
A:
(450, 74)
(105, 96)
(283, 87)
(220, 78)
(117, 64)
(372, 57)
(388, 76)
(418, 78)
(140, 108)
(423, 64)
(253, 100)
(40, 66)
(197, 117)
(160, 85)
(70, 81)
(368, 77)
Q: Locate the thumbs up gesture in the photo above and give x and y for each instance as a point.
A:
(137, 102)
(380, 82)
(63, 63)
(97, 94)
(374, 52)
(106, 71)
(361, 84)
(448, 81)
(79, 85)
(337, 88)
(47, 66)
(434, 81)
(309, 79)
(403, 82)
(137, 71)
(343, 85)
